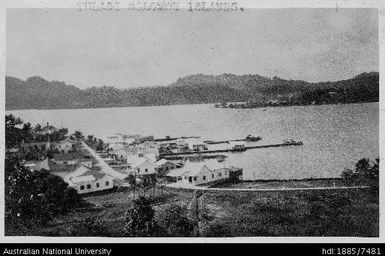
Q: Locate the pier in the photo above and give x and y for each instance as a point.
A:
(231, 150)
(168, 138)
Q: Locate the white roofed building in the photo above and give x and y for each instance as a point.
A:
(164, 165)
(65, 145)
(196, 144)
(86, 180)
(143, 166)
(201, 172)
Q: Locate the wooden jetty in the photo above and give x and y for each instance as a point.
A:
(179, 157)
(249, 138)
(168, 138)
(230, 150)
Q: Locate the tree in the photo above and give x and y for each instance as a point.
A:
(90, 138)
(349, 177)
(63, 131)
(38, 128)
(13, 134)
(132, 181)
(140, 221)
(89, 226)
(100, 145)
(78, 135)
(374, 175)
(26, 132)
(148, 182)
(175, 222)
(364, 174)
(35, 197)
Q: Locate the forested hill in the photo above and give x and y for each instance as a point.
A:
(38, 93)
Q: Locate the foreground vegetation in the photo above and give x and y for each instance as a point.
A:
(222, 214)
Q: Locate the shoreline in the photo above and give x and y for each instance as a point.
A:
(296, 105)
(209, 103)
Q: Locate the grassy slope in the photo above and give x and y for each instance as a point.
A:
(249, 213)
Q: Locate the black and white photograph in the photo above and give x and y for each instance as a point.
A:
(138, 119)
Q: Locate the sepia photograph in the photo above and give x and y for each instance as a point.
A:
(146, 119)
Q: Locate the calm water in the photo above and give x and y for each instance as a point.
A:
(334, 136)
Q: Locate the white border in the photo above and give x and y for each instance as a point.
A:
(378, 4)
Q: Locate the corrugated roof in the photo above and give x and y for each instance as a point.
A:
(193, 168)
(163, 161)
(176, 172)
(45, 164)
(83, 171)
(141, 160)
(83, 179)
(68, 140)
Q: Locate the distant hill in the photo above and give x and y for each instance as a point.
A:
(38, 93)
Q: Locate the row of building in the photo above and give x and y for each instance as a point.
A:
(89, 171)
(144, 159)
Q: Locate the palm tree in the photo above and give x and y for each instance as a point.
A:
(132, 181)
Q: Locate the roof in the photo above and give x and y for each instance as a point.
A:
(49, 128)
(213, 164)
(150, 156)
(141, 160)
(116, 146)
(147, 144)
(83, 173)
(164, 161)
(83, 179)
(193, 168)
(45, 164)
(176, 172)
(69, 141)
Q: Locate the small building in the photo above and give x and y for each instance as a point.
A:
(164, 165)
(119, 138)
(176, 174)
(60, 170)
(150, 156)
(196, 145)
(201, 172)
(143, 166)
(118, 153)
(237, 145)
(66, 145)
(148, 147)
(86, 180)
(49, 129)
(38, 165)
(86, 162)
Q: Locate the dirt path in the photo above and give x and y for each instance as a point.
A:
(193, 187)
(103, 165)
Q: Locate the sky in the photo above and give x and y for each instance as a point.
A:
(138, 49)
